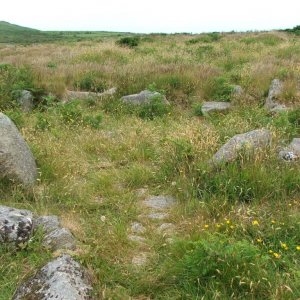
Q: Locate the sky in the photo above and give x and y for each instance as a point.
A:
(140, 16)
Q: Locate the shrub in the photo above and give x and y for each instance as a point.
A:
(218, 265)
(294, 118)
(93, 121)
(130, 42)
(221, 90)
(207, 38)
(90, 82)
(197, 109)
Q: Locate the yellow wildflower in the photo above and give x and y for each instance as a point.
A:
(270, 251)
(206, 226)
(284, 246)
(255, 222)
(273, 222)
(231, 226)
(218, 225)
(276, 255)
(298, 248)
(259, 240)
(228, 222)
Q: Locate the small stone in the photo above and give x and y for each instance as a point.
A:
(160, 202)
(212, 107)
(137, 227)
(136, 238)
(158, 216)
(140, 259)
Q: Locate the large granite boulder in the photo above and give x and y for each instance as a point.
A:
(275, 91)
(16, 160)
(16, 225)
(249, 142)
(61, 279)
(25, 100)
(215, 107)
(56, 237)
(292, 151)
(143, 97)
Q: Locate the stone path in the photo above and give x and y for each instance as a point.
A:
(156, 210)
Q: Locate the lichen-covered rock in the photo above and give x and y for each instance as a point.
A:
(237, 91)
(79, 95)
(248, 142)
(214, 107)
(16, 225)
(160, 202)
(56, 237)
(61, 279)
(143, 97)
(16, 160)
(292, 151)
(25, 100)
(275, 90)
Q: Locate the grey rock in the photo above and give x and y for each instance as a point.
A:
(136, 238)
(78, 95)
(275, 90)
(143, 97)
(160, 202)
(16, 225)
(61, 279)
(25, 100)
(292, 151)
(158, 216)
(137, 228)
(56, 237)
(213, 107)
(16, 160)
(237, 90)
(249, 142)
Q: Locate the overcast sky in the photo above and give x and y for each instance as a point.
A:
(152, 15)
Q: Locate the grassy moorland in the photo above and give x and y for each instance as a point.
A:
(237, 229)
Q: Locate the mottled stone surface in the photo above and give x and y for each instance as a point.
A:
(292, 151)
(160, 202)
(16, 225)
(143, 97)
(158, 216)
(16, 160)
(56, 237)
(237, 91)
(79, 95)
(248, 142)
(61, 279)
(25, 100)
(137, 228)
(275, 90)
(213, 107)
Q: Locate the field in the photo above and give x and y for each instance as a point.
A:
(237, 229)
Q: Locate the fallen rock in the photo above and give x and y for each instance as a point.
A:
(78, 95)
(61, 279)
(249, 142)
(143, 97)
(160, 202)
(16, 160)
(25, 100)
(16, 225)
(275, 90)
(292, 151)
(56, 237)
(213, 107)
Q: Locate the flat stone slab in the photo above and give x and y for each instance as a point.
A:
(16, 225)
(61, 279)
(248, 142)
(56, 237)
(143, 97)
(160, 202)
(213, 107)
(16, 159)
(81, 95)
(292, 151)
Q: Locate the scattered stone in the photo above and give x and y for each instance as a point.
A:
(213, 107)
(136, 238)
(140, 259)
(78, 95)
(137, 228)
(275, 90)
(249, 142)
(16, 225)
(62, 279)
(166, 228)
(56, 237)
(158, 216)
(160, 202)
(237, 91)
(25, 100)
(143, 97)
(16, 160)
(292, 151)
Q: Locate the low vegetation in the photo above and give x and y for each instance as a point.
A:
(237, 227)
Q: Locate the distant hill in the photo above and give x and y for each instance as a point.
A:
(15, 34)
